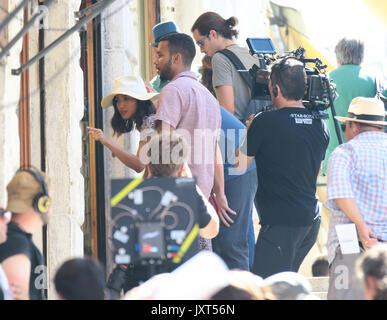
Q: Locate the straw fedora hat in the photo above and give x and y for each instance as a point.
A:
(132, 86)
(366, 110)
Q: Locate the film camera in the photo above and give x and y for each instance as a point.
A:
(319, 93)
(154, 228)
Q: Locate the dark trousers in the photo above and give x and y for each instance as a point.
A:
(251, 241)
(231, 243)
(283, 248)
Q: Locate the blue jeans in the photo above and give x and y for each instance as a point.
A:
(251, 241)
(231, 244)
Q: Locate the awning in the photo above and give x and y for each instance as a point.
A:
(288, 32)
(378, 9)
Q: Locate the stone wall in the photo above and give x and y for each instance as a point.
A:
(9, 102)
(120, 56)
(64, 110)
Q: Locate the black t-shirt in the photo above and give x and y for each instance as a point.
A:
(20, 242)
(288, 146)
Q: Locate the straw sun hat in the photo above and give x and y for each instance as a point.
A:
(366, 110)
(132, 86)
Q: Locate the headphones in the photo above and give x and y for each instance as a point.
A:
(275, 92)
(42, 201)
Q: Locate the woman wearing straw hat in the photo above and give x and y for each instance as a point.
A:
(132, 107)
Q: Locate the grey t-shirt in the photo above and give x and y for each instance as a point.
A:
(225, 74)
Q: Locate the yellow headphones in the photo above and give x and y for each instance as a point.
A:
(42, 201)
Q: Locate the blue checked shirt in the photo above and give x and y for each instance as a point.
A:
(358, 169)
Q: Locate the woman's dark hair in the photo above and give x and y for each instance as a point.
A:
(120, 126)
(212, 21)
(206, 72)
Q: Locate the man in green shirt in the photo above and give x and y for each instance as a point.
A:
(351, 81)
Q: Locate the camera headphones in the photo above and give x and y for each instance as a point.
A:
(275, 92)
(42, 201)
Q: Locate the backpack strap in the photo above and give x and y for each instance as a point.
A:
(239, 66)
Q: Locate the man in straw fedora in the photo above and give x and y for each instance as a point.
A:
(357, 192)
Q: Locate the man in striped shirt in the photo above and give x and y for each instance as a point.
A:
(357, 191)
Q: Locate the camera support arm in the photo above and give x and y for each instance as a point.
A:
(337, 128)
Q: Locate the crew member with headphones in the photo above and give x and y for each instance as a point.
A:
(288, 145)
(29, 202)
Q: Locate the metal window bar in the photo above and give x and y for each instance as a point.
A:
(83, 12)
(99, 8)
(23, 31)
(13, 14)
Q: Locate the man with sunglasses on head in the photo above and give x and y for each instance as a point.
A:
(212, 34)
(357, 192)
(29, 203)
(288, 145)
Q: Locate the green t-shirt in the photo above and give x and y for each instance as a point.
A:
(157, 84)
(351, 81)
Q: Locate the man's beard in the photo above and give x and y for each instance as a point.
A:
(166, 72)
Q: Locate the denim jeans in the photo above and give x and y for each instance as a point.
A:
(231, 244)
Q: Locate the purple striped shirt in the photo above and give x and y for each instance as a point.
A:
(192, 110)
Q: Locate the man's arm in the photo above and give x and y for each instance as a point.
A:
(352, 211)
(219, 190)
(225, 95)
(242, 161)
(211, 230)
(339, 190)
(18, 271)
(127, 158)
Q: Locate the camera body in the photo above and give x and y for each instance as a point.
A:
(320, 91)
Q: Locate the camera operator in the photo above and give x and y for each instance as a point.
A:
(288, 145)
